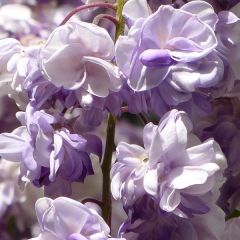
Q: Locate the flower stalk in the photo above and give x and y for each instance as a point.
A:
(83, 7)
(110, 145)
(120, 18)
(99, 17)
(106, 167)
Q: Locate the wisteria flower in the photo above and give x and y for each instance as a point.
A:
(17, 63)
(47, 155)
(64, 218)
(164, 53)
(174, 167)
(9, 190)
(147, 222)
(8, 47)
(16, 20)
(69, 59)
(152, 51)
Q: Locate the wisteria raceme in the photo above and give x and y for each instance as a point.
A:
(142, 94)
(170, 157)
(44, 153)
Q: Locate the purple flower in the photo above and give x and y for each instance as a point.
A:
(10, 192)
(70, 60)
(151, 52)
(8, 48)
(171, 156)
(170, 56)
(148, 223)
(17, 63)
(47, 155)
(16, 20)
(64, 218)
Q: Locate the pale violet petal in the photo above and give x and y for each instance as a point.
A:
(170, 200)
(203, 10)
(101, 77)
(179, 177)
(150, 182)
(134, 10)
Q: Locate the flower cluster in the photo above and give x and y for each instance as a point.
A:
(165, 74)
(162, 168)
(64, 218)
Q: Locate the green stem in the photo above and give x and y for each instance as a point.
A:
(120, 18)
(110, 145)
(106, 167)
